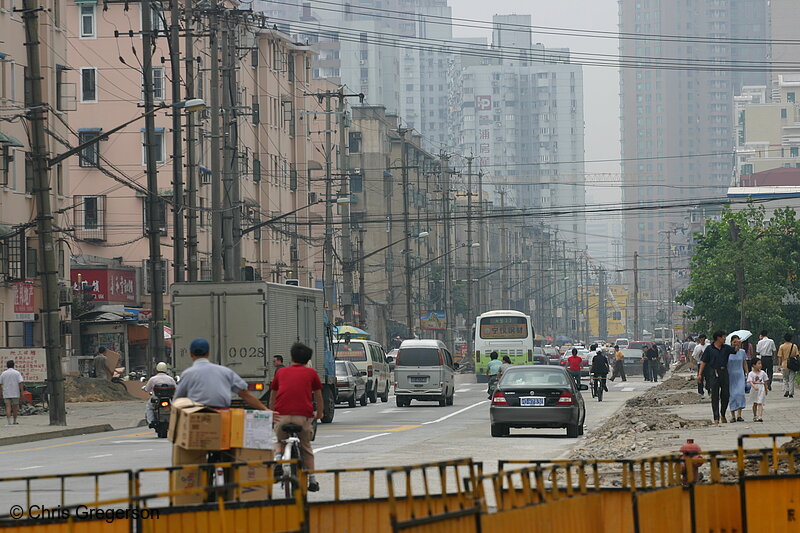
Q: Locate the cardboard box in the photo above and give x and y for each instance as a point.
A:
(254, 473)
(189, 478)
(197, 427)
(251, 429)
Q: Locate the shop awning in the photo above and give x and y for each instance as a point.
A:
(8, 140)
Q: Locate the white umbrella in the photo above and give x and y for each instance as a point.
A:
(743, 334)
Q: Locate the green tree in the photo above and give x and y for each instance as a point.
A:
(764, 253)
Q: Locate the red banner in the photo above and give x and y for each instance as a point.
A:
(112, 285)
(24, 303)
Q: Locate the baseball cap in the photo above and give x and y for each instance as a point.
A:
(161, 367)
(199, 347)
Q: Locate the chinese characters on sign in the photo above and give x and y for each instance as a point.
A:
(106, 285)
(510, 331)
(24, 306)
(30, 362)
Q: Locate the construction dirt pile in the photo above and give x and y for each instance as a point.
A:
(625, 434)
(677, 390)
(80, 389)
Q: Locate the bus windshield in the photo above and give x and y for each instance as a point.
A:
(504, 327)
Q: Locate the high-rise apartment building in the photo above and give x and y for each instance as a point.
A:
(521, 116)
(394, 52)
(677, 121)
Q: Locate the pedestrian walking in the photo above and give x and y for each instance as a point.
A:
(651, 363)
(715, 364)
(12, 386)
(619, 365)
(737, 376)
(696, 356)
(759, 382)
(689, 346)
(765, 350)
(789, 357)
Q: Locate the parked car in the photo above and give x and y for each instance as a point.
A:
(537, 397)
(350, 384)
(424, 370)
(369, 357)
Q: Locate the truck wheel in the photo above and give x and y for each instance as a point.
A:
(329, 405)
(372, 394)
(352, 401)
(385, 395)
(443, 400)
(363, 400)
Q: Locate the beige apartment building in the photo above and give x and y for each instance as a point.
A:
(20, 289)
(272, 142)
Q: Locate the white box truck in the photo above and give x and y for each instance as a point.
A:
(247, 323)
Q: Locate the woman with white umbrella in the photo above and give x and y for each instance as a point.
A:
(737, 373)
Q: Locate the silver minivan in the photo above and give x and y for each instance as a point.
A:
(424, 370)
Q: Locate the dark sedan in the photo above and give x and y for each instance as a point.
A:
(537, 397)
(350, 384)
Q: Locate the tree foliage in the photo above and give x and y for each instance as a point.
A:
(768, 253)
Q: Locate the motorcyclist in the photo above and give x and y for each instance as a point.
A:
(160, 379)
(600, 368)
(492, 370)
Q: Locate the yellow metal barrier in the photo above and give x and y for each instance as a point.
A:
(662, 511)
(435, 497)
(716, 507)
(71, 526)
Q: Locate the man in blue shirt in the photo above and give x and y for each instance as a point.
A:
(491, 370)
(210, 384)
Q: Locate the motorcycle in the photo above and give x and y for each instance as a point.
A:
(161, 404)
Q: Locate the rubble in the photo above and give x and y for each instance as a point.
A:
(80, 389)
(25, 409)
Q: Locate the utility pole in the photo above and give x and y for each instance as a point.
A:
(469, 319)
(601, 303)
(328, 246)
(48, 275)
(504, 250)
(230, 174)
(739, 272)
(156, 270)
(406, 230)
(636, 295)
(669, 282)
(567, 318)
(347, 249)
(191, 158)
(582, 295)
(362, 311)
(483, 253)
(216, 148)
(178, 241)
(448, 245)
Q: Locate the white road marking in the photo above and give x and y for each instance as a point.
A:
(29, 467)
(627, 389)
(143, 450)
(463, 390)
(99, 456)
(341, 444)
(139, 441)
(456, 413)
(345, 412)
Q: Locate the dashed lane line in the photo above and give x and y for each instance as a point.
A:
(456, 413)
(342, 444)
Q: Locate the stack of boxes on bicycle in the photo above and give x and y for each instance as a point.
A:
(243, 435)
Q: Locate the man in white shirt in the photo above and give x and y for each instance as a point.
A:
(765, 350)
(12, 384)
(695, 356)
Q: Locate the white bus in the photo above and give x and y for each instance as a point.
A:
(505, 332)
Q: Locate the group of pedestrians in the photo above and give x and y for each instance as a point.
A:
(730, 371)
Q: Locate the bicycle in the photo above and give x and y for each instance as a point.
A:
(598, 386)
(291, 459)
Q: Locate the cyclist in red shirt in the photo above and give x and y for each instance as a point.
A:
(574, 366)
(290, 395)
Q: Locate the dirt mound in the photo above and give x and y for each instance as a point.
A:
(677, 390)
(80, 389)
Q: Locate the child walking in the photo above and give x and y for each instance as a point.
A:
(758, 380)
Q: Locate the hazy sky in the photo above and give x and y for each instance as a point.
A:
(601, 84)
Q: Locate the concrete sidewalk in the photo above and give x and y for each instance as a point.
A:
(82, 418)
(781, 415)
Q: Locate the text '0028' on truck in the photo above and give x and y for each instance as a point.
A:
(247, 324)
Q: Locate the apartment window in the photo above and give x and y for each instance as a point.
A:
(31, 259)
(794, 151)
(790, 97)
(161, 215)
(88, 84)
(91, 212)
(87, 21)
(89, 156)
(12, 258)
(90, 217)
(784, 113)
(158, 83)
(160, 147)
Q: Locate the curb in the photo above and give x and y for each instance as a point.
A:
(33, 437)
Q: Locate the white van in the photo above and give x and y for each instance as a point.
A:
(370, 359)
(424, 370)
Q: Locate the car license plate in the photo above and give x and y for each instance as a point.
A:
(532, 401)
(418, 379)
